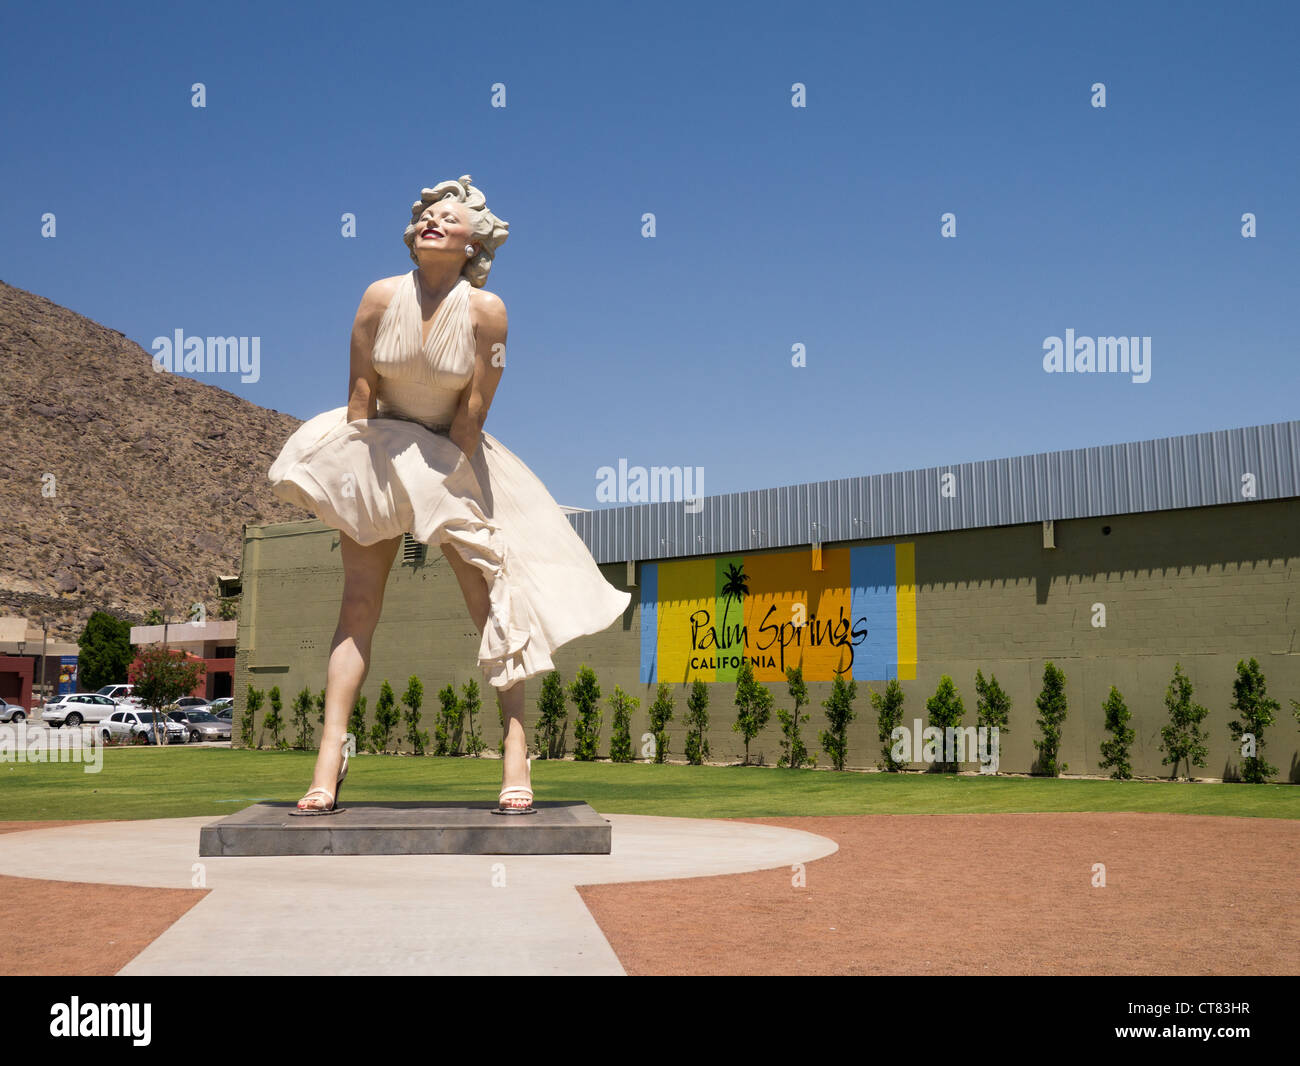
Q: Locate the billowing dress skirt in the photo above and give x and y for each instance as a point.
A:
(375, 479)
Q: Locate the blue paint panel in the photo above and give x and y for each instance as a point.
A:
(873, 596)
(649, 622)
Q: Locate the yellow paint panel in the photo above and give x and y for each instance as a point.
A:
(685, 588)
(905, 599)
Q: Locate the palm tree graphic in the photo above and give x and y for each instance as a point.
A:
(735, 585)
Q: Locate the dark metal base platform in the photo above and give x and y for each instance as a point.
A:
(409, 828)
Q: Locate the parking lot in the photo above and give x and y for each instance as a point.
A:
(74, 738)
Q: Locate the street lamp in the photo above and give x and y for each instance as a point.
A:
(45, 628)
(22, 643)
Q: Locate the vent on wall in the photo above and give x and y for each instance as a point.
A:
(413, 551)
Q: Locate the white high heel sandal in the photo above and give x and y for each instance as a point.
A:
(517, 791)
(334, 807)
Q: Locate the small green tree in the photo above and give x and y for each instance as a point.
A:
(162, 675)
(450, 716)
(697, 724)
(839, 713)
(470, 705)
(889, 716)
(1115, 750)
(992, 705)
(620, 731)
(302, 704)
(946, 711)
(753, 705)
(585, 694)
(275, 719)
(1052, 709)
(1255, 713)
(412, 701)
(794, 753)
(320, 707)
(252, 704)
(551, 714)
(357, 723)
(1182, 738)
(992, 711)
(386, 717)
(661, 713)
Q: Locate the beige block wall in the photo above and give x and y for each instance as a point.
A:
(1204, 587)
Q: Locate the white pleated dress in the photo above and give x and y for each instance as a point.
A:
(399, 472)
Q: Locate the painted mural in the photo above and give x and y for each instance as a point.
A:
(847, 611)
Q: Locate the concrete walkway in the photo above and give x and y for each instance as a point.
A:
(391, 914)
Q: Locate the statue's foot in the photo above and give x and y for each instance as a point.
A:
(320, 800)
(516, 797)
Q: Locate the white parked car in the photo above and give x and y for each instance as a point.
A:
(123, 724)
(73, 708)
(121, 694)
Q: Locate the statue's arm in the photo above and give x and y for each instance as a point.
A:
(363, 381)
(490, 324)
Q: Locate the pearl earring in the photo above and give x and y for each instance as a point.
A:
(469, 249)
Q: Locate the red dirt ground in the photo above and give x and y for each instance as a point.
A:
(982, 894)
(66, 928)
(905, 894)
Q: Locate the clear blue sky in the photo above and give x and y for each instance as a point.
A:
(776, 225)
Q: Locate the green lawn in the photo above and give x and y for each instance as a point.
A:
(187, 782)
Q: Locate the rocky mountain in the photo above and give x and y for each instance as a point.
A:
(121, 488)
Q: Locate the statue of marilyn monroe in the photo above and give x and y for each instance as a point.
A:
(409, 454)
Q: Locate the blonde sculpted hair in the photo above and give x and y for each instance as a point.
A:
(489, 231)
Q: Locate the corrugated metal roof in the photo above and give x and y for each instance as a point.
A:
(1197, 470)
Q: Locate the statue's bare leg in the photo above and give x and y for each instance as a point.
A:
(365, 576)
(515, 763)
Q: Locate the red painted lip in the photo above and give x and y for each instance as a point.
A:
(431, 232)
